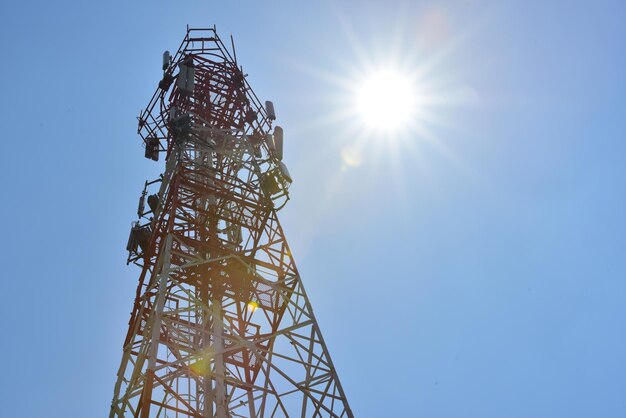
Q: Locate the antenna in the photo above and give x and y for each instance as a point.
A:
(232, 42)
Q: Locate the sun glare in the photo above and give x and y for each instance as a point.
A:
(384, 104)
(386, 100)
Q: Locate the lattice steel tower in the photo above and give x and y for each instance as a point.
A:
(221, 325)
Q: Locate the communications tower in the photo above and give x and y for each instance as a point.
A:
(221, 325)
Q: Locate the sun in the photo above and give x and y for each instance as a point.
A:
(386, 100)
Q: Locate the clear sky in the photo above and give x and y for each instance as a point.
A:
(472, 266)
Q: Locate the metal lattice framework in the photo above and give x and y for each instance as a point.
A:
(221, 325)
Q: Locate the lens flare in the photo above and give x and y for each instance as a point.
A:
(252, 306)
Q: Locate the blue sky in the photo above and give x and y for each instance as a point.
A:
(475, 268)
